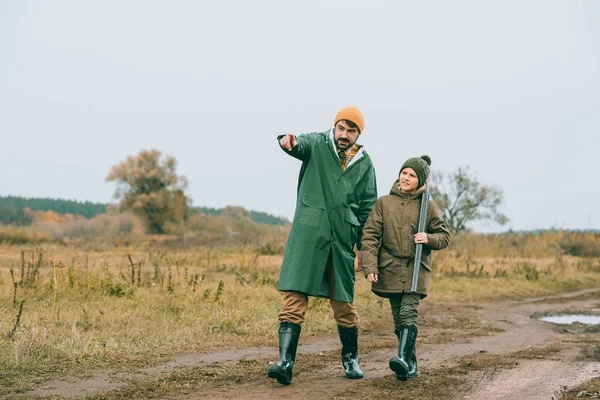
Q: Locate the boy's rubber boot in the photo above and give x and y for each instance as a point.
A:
(412, 360)
(349, 338)
(405, 364)
(289, 333)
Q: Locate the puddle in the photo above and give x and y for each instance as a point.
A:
(566, 319)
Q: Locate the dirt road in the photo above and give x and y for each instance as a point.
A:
(504, 352)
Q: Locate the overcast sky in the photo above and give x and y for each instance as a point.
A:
(509, 87)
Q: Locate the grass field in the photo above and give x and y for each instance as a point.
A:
(71, 311)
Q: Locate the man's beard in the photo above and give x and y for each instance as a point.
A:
(343, 144)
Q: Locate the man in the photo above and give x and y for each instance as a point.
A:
(336, 191)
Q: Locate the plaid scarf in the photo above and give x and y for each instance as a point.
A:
(347, 156)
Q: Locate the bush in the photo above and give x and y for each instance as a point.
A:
(112, 289)
(584, 244)
(14, 235)
(211, 230)
(103, 225)
(270, 249)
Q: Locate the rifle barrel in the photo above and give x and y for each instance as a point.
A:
(419, 247)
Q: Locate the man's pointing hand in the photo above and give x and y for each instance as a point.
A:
(288, 142)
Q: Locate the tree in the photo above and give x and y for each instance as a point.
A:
(463, 199)
(236, 212)
(11, 215)
(148, 185)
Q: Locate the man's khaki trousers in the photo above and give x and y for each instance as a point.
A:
(295, 304)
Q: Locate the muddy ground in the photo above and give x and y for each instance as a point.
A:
(494, 350)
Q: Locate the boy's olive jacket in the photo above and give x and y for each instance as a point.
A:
(331, 209)
(388, 242)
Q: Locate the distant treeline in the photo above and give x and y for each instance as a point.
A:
(11, 210)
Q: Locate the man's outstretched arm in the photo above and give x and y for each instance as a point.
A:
(295, 146)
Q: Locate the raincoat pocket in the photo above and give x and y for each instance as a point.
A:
(354, 225)
(312, 208)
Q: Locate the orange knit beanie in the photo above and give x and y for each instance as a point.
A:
(351, 114)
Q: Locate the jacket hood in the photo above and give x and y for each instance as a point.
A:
(396, 190)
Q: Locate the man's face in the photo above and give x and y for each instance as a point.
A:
(344, 136)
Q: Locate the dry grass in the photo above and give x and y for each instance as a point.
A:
(589, 390)
(487, 278)
(86, 310)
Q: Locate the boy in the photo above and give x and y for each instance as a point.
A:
(388, 248)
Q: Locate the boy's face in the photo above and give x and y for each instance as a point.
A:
(409, 182)
(345, 136)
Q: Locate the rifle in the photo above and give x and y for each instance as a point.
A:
(421, 228)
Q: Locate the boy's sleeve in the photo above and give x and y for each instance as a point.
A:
(438, 235)
(304, 143)
(366, 205)
(371, 239)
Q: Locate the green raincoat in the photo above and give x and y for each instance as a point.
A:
(331, 209)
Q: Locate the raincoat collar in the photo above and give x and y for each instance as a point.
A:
(357, 157)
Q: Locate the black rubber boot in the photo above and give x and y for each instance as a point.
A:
(349, 338)
(289, 333)
(412, 360)
(405, 365)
